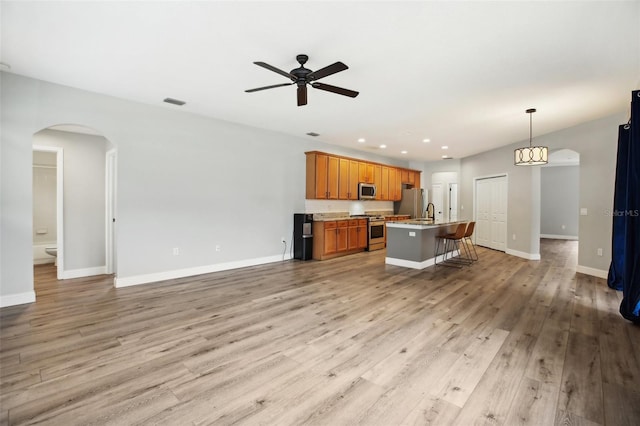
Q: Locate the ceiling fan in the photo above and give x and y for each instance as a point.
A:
(303, 76)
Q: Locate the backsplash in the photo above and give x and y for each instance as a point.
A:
(353, 207)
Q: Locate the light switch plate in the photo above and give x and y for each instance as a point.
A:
(583, 211)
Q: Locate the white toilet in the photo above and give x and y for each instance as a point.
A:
(52, 251)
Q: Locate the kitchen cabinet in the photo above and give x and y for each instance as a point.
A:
(395, 187)
(365, 172)
(404, 176)
(383, 189)
(409, 177)
(322, 176)
(338, 238)
(416, 179)
(342, 236)
(357, 234)
(330, 238)
(377, 179)
(334, 177)
(348, 178)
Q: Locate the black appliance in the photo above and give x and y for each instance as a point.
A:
(302, 236)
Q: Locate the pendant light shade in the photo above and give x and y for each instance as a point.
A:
(531, 155)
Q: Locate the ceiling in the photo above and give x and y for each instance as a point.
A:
(460, 74)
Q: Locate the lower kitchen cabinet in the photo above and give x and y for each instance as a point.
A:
(358, 234)
(338, 238)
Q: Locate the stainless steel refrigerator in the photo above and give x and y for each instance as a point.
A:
(412, 203)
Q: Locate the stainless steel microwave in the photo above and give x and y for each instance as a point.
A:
(366, 191)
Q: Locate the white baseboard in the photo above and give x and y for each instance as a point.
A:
(559, 237)
(17, 299)
(412, 263)
(43, 261)
(189, 272)
(86, 272)
(524, 255)
(592, 271)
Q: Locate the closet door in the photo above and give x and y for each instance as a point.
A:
(491, 213)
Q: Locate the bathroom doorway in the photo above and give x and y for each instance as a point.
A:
(86, 185)
(48, 208)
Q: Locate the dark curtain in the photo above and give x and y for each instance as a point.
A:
(624, 272)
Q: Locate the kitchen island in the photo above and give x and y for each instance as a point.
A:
(411, 243)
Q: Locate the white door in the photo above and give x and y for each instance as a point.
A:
(499, 213)
(437, 198)
(491, 213)
(453, 202)
(483, 213)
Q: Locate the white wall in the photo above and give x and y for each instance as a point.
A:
(523, 203)
(596, 142)
(184, 181)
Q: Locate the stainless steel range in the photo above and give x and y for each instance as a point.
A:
(376, 231)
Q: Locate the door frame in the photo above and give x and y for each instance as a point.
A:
(59, 151)
(475, 203)
(111, 186)
(455, 199)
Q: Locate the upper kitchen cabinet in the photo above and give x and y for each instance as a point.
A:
(395, 187)
(365, 172)
(348, 178)
(409, 177)
(322, 176)
(334, 177)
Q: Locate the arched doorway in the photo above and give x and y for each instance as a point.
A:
(85, 201)
(560, 200)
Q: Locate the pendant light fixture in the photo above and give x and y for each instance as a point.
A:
(531, 155)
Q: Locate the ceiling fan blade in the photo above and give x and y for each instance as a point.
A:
(268, 87)
(334, 89)
(323, 72)
(277, 70)
(302, 95)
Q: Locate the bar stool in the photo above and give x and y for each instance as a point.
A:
(451, 242)
(467, 241)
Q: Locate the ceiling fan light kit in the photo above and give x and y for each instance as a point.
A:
(531, 155)
(302, 77)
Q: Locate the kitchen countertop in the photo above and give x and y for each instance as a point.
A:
(419, 224)
(333, 219)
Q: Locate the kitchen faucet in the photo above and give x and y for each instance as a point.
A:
(432, 208)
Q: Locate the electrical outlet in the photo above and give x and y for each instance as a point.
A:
(599, 252)
(176, 251)
(218, 248)
(513, 237)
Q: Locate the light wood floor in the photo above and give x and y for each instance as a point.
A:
(345, 341)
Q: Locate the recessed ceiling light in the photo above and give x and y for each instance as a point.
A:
(426, 140)
(445, 147)
(174, 101)
(383, 146)
(403, 152)
(445, 156)
(362, 140)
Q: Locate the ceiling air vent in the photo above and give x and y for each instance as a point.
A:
(314, 134)
(174, 101)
